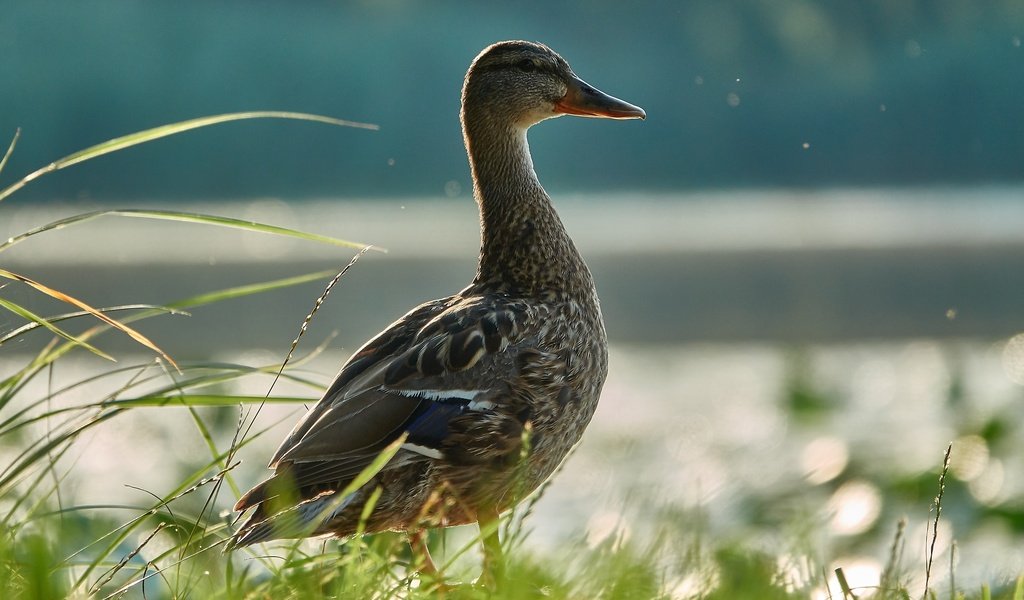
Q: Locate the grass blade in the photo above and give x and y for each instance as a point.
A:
(13, 383)
(148, 135)
(20, 419)
(247, 290)
(20, 331)
(45, 323)
(930, 556)
(371, 470)
(203, 400)
(10, 149)
(171, 215)
(135, 335)
(364, 477)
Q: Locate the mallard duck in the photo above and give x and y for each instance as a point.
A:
(488, 389)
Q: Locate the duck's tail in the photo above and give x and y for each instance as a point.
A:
(310, 517)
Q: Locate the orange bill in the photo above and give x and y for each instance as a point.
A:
(585, 100)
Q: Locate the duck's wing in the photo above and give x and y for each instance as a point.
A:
(394, 340)
(442, 374)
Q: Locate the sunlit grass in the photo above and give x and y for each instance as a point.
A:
(170, 546)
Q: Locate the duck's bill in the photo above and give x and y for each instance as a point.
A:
(585, 100)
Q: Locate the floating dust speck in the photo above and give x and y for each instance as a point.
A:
(453, 189)
(391, 162)
(951, 313)
(1015, 41)
(912, 49)
(732, 99)
(806, 145)
(882, 108)
(698, 80)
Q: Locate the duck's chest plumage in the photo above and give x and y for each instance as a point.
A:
(542, 391)
(568, 380)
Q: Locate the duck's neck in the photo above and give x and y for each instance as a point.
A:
(524, 249)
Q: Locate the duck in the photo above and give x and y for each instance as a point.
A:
(484, 392)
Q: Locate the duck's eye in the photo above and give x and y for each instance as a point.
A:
(526, 65)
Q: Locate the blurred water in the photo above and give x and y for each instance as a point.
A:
(708, 429)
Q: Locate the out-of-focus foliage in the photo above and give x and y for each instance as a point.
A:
(739, 92)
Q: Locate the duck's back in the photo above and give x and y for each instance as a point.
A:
(491, 391)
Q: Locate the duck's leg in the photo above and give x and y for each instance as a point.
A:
(494, 561)
(422, 561)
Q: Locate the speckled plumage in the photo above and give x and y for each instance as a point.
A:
(492, 385)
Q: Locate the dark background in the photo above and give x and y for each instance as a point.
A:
(884, 92)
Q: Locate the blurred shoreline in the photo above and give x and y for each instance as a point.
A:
(618, 223)
(776, 265)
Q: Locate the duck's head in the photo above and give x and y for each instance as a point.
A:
(521, 83)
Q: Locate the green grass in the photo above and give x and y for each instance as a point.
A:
(170, 545)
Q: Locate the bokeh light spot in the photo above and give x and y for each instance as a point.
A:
(824, 459)
(605, 525)
(854, 506)
(988, 487)
(969, 457)
(861, 572)
(1013, 359)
